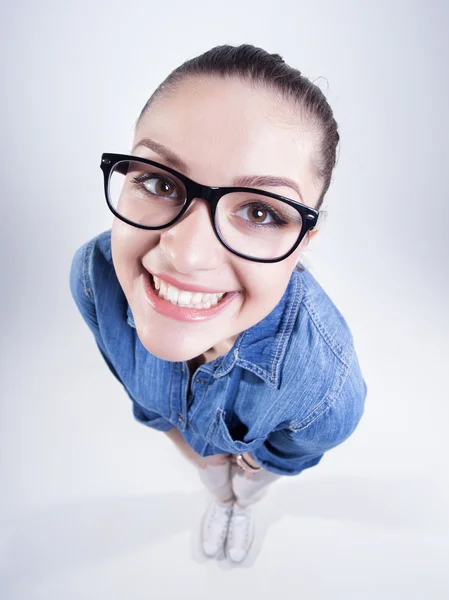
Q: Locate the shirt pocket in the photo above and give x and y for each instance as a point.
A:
(226, 439)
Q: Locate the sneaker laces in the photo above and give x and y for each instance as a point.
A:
(240, 528)
(218, 518)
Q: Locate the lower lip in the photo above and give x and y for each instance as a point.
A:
(178, 312)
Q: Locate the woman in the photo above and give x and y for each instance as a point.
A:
(197, 298)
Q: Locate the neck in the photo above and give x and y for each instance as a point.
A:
(219, 349)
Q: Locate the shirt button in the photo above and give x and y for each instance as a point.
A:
(200, 381)
(181, 418)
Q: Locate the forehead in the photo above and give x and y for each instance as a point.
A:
(226, 128)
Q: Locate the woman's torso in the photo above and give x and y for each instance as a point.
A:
(278, 375)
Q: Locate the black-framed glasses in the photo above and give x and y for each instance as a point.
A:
(251, 223)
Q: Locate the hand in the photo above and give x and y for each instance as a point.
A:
(215, 460)
(200, 461)
(250, 460)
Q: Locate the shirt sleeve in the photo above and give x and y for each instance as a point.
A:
(81, 289)
(84, 299)
(301, 446)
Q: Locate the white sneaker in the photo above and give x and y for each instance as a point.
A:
(215, 527)
(240, 534)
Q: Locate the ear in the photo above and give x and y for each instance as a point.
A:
(312, 233)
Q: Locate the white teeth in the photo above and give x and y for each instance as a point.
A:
(183, 298)
(163, 289)
(173, 294)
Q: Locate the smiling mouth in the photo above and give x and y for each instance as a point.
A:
(183, 298)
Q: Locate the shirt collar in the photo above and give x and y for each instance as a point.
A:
(130, 318)
(261, 349)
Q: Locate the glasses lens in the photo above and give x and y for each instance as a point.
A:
(145, 194)
(256, 225)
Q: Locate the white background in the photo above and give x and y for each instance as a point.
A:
(94, 505)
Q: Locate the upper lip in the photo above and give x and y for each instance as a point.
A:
(188, 287)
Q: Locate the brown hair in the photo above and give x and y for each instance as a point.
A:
(258, 66)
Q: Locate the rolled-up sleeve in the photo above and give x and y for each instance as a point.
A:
(150, 418)
(81, 290)
(84, 299)
(301, 446)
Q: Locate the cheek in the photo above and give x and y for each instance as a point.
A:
(265, 288)
(129, 245)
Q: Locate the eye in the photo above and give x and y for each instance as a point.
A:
(160, 186)
(258, 213)
(157, 185)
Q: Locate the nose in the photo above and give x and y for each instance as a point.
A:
(191, 244)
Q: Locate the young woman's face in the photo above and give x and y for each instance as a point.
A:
(221, 130)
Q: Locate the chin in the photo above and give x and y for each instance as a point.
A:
(170, 352)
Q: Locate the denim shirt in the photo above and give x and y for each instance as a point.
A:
(289, 389)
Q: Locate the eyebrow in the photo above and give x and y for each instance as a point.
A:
(169, 156)
(255, 181)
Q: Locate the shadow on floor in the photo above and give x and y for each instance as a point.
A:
(83, 532)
